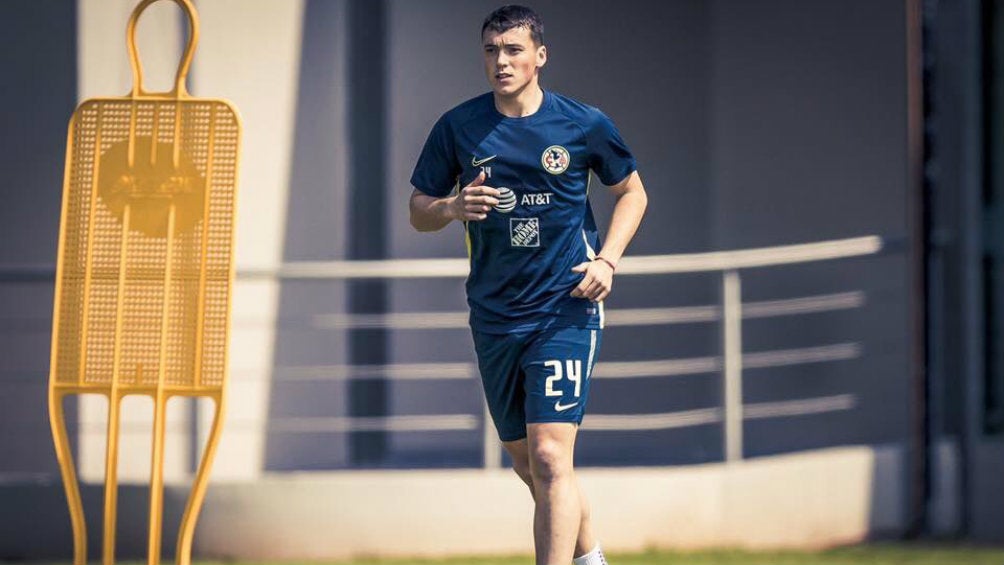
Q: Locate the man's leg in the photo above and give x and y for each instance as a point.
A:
(518, 451)
(557, 365)
(520, 456)
(557, 510)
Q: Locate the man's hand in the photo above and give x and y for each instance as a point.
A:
(597, 282)
(474, 201)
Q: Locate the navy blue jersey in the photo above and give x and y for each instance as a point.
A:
(523, 253)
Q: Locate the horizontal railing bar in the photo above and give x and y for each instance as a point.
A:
(461, 370)
(657, 368)
(394, 320)
(804, 305)
(465, 422)
(631, 265)
(691, 418)
(455, 422)
(453, 268)
(618, 317)
(801, 356)
(431, 423)
(615, 317)
(397, 371)
(604, 369)
(593, 422)
(130, 389)
(642, 422)
(808, 406)
(750, 258)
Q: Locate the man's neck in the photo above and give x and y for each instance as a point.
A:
(522, 104)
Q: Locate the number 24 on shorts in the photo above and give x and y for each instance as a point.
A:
(572, 369)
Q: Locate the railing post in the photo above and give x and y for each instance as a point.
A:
(732, 309)
(491, 448)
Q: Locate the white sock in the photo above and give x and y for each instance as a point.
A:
(594, 557)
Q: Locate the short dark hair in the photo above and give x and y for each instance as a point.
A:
(512, 16)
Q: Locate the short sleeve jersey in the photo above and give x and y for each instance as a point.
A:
(522, 258)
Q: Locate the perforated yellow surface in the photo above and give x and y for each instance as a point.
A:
(171, 289)
(144, 274)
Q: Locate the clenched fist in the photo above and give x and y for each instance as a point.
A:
(597, 280)
(474, 201)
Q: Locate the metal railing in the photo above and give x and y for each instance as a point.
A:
(730, 311)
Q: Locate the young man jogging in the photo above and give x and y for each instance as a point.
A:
(521, 158)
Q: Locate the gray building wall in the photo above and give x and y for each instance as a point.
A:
(39, 94)
(809, 133)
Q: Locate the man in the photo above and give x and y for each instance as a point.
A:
(523, 156)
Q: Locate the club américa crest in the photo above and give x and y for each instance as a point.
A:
(555, 159)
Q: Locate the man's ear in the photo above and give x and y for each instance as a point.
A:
(541, 56)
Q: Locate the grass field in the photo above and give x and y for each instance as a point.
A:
(883, 554)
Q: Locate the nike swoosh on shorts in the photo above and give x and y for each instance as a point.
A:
(559, 408)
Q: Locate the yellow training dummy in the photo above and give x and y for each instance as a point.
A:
(145, 272)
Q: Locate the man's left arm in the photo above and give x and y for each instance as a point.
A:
(628, 211)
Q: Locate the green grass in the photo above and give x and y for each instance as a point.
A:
(878, 554)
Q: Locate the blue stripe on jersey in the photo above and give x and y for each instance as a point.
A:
(521, 259)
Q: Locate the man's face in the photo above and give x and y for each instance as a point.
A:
(512, 60)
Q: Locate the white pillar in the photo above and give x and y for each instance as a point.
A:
(249, 53)
(733, 345)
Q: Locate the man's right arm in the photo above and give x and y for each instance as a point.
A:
(429, 213)
(471, 204)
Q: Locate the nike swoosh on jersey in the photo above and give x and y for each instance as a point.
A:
(478, 162)
(558, 407)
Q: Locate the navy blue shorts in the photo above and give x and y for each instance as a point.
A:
(537, 376)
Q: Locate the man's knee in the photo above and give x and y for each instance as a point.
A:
(550, 461)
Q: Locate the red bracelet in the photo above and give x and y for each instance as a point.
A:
(612, 266)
